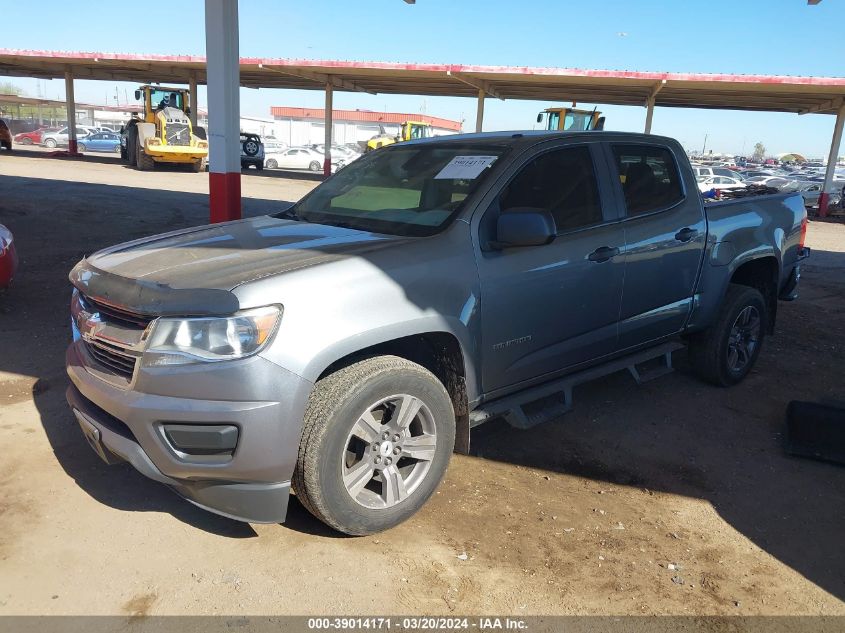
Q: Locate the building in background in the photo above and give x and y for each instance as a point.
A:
(306, 126)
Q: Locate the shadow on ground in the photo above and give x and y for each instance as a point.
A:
(675, 435)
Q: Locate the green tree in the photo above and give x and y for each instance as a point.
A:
(759, 151)
(8, 88)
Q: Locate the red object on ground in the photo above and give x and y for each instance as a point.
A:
(8, 257)
(225, 194)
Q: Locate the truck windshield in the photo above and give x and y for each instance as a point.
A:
(412, 190)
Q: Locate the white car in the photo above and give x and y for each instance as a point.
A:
(60, 137)
(719, 182)
(298, 158)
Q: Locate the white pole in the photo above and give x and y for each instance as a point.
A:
(649, 114)
(192, 91)
(479, 114)
(327, 161)
(71, 112)
(824, 199)
(223, 80)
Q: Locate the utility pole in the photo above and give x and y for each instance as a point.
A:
(704, 147)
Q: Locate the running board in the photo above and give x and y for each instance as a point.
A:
(518, 412)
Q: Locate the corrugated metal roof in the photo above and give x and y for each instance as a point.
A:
(369, 116)
(781, 93)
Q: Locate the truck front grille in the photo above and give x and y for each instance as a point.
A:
(114, 350)
(116, 359)
(178, 134)
(115, 314)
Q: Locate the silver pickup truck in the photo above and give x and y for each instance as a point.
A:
(345, 346)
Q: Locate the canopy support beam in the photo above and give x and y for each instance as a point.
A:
(832, 158)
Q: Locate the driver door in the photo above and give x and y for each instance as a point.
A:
(553, 307)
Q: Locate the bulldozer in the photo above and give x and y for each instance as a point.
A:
(407, 131)
(164, 133)
(571, 119)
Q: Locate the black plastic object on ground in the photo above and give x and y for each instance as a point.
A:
(816, 431)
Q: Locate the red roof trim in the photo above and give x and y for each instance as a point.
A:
(364, 116)
(455, 68)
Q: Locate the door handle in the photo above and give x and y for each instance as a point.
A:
(603, 254)
(686, 234)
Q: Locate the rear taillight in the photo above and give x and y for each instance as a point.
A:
(803, 237)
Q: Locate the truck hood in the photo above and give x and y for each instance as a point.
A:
(193, 271)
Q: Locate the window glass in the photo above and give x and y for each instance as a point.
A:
(649, 176)
(562, 182)
(403, 189)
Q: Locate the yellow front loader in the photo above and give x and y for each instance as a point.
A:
(571, 119)
(164, 134)
(408, 130)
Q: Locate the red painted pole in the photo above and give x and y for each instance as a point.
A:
(223, 79)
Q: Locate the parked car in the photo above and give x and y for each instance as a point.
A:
(8, 257)
(252, 151)
(100, 142)
(769, 181)
(719, 182)
(342, 345)
(5, 135)
(300, 158)
(34, 137)
(59, 138)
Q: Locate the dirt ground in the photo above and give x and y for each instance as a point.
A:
(580, 516)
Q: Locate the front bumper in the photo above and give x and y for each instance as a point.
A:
(262, 400)
(176, 153)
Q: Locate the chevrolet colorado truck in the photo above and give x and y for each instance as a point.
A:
(344, 347)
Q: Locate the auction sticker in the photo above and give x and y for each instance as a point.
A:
(465, 167)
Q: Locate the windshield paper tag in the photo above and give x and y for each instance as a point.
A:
(464, 167)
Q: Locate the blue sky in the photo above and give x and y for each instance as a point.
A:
(732, 36)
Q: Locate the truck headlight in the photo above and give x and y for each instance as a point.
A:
(209, 339)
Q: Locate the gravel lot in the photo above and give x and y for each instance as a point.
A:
(584, 516)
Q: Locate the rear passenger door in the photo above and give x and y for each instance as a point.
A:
(665, 231)
(551, 307)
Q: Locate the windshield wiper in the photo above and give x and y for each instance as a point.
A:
(289, 214)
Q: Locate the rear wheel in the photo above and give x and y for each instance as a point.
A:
(80, 147)
(198, 165)
(272, 164)
(142, 159)
(376, 441)
(724, 353)
(51, 143)
(26, 141)
(315, 166)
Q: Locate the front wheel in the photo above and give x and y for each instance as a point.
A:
(315, 166)
(272, 164)
(80, 147)
(376, 440)
(51, 143)
(26, 141)
(724, 353)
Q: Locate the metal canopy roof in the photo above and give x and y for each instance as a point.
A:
(620, 87)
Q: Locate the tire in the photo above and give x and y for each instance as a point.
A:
(7, 145)
(26, 141)
(51, 143)
(315, 166)
(117, 150)
(272, 164)
(197, 166)
(144, 162)
(259, 166)
(80, 147)
(725, 353)
(251, 147)
(326, 467)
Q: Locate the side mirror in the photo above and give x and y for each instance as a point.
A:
(540, 118)
(524, 226)
(137, 95)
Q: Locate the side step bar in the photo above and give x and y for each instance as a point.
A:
(516, 409)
